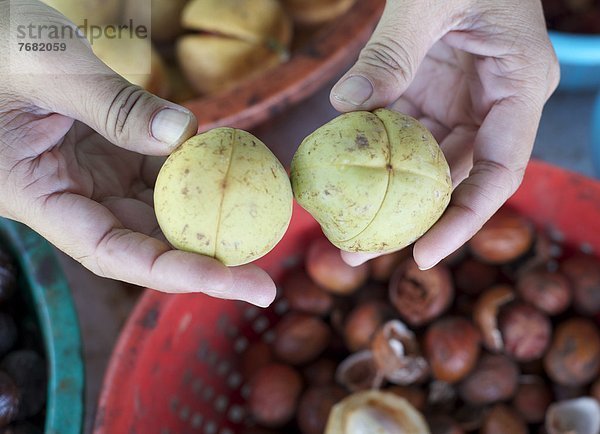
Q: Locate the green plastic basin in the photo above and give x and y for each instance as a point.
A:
(41, 276)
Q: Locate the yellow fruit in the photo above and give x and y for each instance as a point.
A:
(223, 194)
(238, 39)
(136, 60)
(375, 181)
(312, 12)
(97, 12)
(163, 15)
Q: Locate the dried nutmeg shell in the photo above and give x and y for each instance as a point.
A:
(320, 373)
(485, 315)
(503, 238)
(503, 420)
(574, 355)
(325, 266)
(383, 266)
(362, 323)
(452, 346)
(314, 407)
(473, 276)
(256, 356)
(10, 397)
(416, 396)
(549, 291)
(397, 355)
(581, 416)
(274, 393)
(304, 295)
(375, 412)
(532, 398)
(300, 338)
(358, 372)
(420, 296)
(443, 424)
(525, 331)
(583, 271)
(494, 379)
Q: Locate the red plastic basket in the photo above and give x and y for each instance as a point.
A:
(174, 368)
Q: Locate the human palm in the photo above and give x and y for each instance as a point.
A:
(479, 88)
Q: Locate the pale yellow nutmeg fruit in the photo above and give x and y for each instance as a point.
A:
(163, 15)
(314, 12)
(375, 181)
(235, 40)
(128, 56)
(223, 194)
(96, 12)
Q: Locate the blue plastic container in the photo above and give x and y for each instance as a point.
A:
(579, 58)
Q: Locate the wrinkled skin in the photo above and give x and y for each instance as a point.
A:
(80, 148)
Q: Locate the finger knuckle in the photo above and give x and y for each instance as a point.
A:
(391, 56)
(118, 113)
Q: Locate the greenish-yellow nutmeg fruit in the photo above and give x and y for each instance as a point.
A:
(223, 194)
(375, 181)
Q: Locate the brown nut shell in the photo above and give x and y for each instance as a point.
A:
(574, 355)
(358, 372)
(420, 296)
(503, 420)
(304, 295)
(485, 315)
(325, 266)
(452, 346)
(384, 266)
(526, 331)
(397, 354)
(549, 291)
(503, 238)
(532, 399)
(362, 323)
(494, 379)
(274, 393)
(315, 405)
(584, 273)
(300, 338)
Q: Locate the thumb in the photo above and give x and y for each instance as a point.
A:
(76, 83)
(387, 64)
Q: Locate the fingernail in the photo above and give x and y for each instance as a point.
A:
(355, 259)
(169, 125)
(426, 267)
(355, 90)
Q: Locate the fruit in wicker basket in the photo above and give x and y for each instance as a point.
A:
(128, 57)
(163, 15)
(231, 40)
(215, 187)
(96, 12)
(311, 12)
(375, 181)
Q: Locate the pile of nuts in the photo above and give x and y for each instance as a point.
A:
(23, 376)
(501, 337)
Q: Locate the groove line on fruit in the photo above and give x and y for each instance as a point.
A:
(389, 172)
(225, 179)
